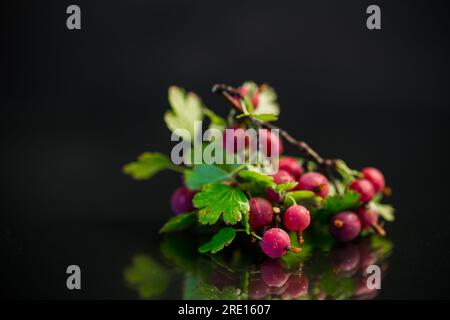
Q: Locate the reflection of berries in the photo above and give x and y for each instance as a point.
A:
(257, 288)
(292, 166)
(366, 256)
(261, 213)
(297, 218)
(297, 286)
(375, 177)
(346, 258)
(345, 226)
(181, 200)
(275, 242)
(364, 188)
(367, 217)
(315, 182)
(273, 274)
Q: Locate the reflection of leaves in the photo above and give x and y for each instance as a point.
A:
(382, 245)
(337, 286)
(181, 250)
(197, 289)
(147, 276)
(218, 198)
(221, 239)
(179, 222)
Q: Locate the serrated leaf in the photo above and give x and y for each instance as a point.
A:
(264, 116)
(267, 101)
(246, 223)
(204, 174)
(217, 122)
(186, 109)
(258, 178)
(216, 199)
(221, 239)
(346, 173)
(147, 165)
(337, 203)
(179, 222)
(384, 210)
(305, 198)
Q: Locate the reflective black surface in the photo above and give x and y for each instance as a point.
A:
(76, 106)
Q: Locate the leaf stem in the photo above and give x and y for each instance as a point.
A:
(256, 236)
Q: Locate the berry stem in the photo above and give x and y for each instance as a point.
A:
(256, 236)
(379, 229)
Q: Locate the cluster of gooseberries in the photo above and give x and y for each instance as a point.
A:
(273, 220)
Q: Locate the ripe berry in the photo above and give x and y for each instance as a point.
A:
(375, 177)
(181, 200)
(364, 188)
(367, 217)
(261, 213)
(315, 182)
(297, 218)
(273, 274)
(235, 139)
(279, 178)
(275, 242)
(292, 166)
(345, 226)
(269, 143)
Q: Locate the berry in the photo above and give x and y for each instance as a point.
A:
(275, 242)
(269, 143)
(364, 188)
(297, 218)
(366, 256)
(282, 176)
(235, 139)
(261, 213)
(367, 217)
(297, 286)
(279, 178)
(273, 274)
(345, 226)
(315, 182)
(375, 177)
(181, 200)
(255, 99)
(292, 166)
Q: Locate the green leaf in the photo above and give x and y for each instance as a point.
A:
(285, 186)
(204, 174)
(346, 173)
(186, 109)
(221, 239)
(384, 210)
(147, 276)
(246, 223)
(303, 197)
(179, 222)
(218, 198)
(147, 165)
(337, 203)
(217, 122)
(264, 116)
(258, 178)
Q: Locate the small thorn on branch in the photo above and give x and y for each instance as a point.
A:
(379, 229)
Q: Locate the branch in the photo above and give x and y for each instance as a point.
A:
(233, 97)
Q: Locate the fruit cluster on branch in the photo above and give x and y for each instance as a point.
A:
(308, 193)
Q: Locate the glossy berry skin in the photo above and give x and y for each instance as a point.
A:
(315, 182)
(364, 188)
(181, 200)
(346, 258)
(367, 217)
(261, 213)
(269, 144)
(257, 288)
(232, 137)
(282, 176)
(273, 273)
(274, 243)
(292, 166)
(273, 196)
(345, 226)
(297, 218)
(375, 177)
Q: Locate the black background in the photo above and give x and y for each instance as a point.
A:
(77, 105)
